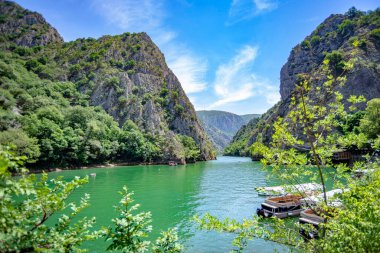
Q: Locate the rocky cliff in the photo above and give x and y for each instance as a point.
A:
(126, 75)
(354, 31)
(222, 126)
(25, 28)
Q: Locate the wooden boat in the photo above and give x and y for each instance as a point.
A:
(281, 207)
(308, 216)
(288, 189)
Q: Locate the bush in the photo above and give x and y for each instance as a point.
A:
(315, 40)
(305, 45)
(130, 64)
(146, 98)
(375, 33)
(22, 51)
(335, 62)
(179, 108)
(346, 27)
(31, 64)
(122, 100)
(113, 81)
(164, 92)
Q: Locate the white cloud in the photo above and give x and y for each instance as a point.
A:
(148, 16)
(264, 87)
(246, 9)
(233, 82)
(190, 70)
(131, 15)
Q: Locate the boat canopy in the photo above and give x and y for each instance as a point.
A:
(313, 200)
(281, 190)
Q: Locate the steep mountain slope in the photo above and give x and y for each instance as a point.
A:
(221, 126)
(354, 33)
(124, 75)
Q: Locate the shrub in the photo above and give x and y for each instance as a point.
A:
(113, 81)
(375, 33)
(93, 56)
(335, 62)
(135, 90)
(305, 45)
(346, 27)
(74, 69)
(122, 100)
(146, 98)
(164, 92)
(31, 64)
(22, 51)
(131, 72)
(315, 40)
(179, 108)
(130, 64)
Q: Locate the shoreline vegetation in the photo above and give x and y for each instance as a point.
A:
(105, 165)
(53, 111)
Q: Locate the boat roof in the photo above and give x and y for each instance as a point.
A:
(319, 198)
(309, 221)
(269, 205)
(291, 188)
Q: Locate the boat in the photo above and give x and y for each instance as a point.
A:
(331, 199)
(281, 207)
(357, 174)
(172, 163)
(309, 216)
(286, 189)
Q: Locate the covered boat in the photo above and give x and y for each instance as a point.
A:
(309, 216)
(281, 207)
(331, 198)
(286, 189)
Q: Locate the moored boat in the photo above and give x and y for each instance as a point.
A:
(288, 189)
(281, 207)
(309, 216)
(331, 198)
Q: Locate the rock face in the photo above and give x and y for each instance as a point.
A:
(25, 28)
(125, 74)
(352, 32)
(222, 126)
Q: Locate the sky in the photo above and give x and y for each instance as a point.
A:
(227, 54)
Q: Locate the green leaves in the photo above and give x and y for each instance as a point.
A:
(27, 202)
(130, 230)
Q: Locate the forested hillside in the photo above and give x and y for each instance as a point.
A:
(338, 39)
(91, 100)
(222, 126)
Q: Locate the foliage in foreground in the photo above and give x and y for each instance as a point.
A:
(302, 147)
(27, 202)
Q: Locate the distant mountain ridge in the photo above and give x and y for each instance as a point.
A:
(221, 126)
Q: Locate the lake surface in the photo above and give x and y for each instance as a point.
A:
(224, 187)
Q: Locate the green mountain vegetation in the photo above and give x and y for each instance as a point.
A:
(91, 100)
(339, 36)
(221, 126)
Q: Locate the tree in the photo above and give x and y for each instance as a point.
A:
(302, 147)
(370, 123)
(27, 202)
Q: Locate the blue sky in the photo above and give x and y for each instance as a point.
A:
(227, 54)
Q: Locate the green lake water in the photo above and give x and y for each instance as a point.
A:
(224, 187)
